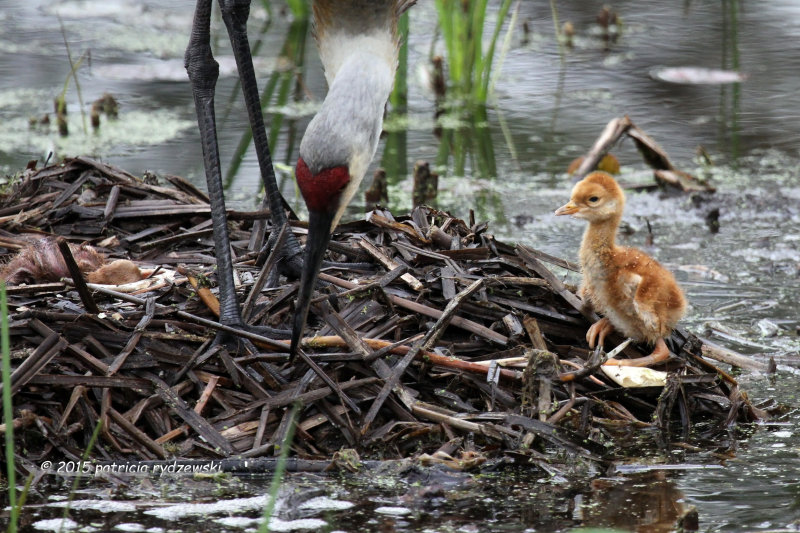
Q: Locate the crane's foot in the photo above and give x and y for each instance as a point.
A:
(294, 266)
(248, 340)
(290, 262)
(659, 355)
(596, 335)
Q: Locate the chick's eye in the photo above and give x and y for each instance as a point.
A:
(593, 199)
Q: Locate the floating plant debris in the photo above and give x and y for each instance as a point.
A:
(697, 75)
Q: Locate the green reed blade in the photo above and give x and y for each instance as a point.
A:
(8, 412)
(280, 469)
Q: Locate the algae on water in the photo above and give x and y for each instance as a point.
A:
(131, 129)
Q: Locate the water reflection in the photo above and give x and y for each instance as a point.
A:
(646, 502)
(550, 102)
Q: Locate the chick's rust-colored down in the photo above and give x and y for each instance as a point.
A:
(42, 261)
(637, 296)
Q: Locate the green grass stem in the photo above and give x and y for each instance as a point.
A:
(73, 66)
(394, 158)
(299, 9)
(280, 81)
(280, 469)
(470, 59)
(487, 59)
(399, 97)
(557, 30)
(505, 48)
(8, 412)
(84, 458)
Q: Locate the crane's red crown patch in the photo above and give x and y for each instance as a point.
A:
(321, 192)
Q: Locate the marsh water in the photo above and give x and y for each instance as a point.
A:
(507, 164)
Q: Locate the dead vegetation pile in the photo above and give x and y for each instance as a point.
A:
(451, 343)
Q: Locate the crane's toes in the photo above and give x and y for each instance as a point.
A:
(290, 264)
(248, 340)
(596, 335)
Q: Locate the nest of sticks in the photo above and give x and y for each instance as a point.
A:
(453, 344)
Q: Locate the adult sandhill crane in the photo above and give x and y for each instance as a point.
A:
(358, 44)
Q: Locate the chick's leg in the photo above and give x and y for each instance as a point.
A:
(659, 355)
(596, 335)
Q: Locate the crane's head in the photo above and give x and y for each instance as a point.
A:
(326, 194)
(335, 152)
(358, 45)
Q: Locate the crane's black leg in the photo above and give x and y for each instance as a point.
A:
(203, 73)
(235, 14)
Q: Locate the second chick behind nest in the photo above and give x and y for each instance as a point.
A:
(637, 296)
(41, 261)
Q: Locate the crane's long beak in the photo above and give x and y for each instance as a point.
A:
(319, 234)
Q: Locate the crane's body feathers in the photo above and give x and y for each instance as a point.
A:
(344, 26)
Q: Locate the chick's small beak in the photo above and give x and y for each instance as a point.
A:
(567, 209)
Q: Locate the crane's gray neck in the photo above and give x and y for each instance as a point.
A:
(346, 129)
